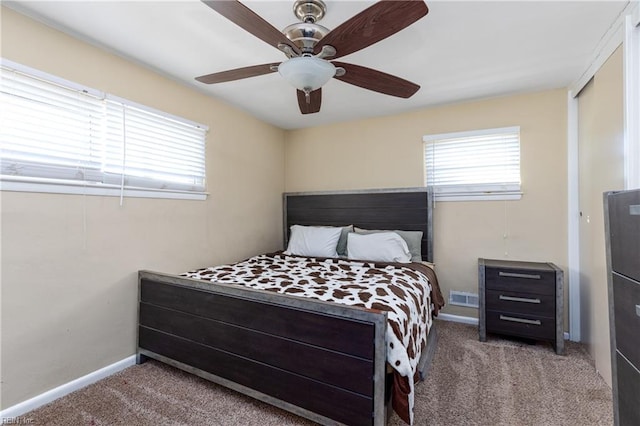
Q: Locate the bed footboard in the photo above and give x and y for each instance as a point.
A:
(322, 361)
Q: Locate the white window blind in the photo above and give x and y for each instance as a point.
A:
(480, 164)
(150, 150)
(49, 130)
(56, 132)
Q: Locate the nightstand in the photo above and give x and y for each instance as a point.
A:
(521, 299)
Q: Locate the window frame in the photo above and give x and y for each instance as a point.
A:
(473, 191)
(81, 187)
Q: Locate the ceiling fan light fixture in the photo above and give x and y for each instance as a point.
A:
(307, 73)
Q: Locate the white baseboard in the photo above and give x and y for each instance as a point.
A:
(472, 321)
(458, 318)
(74, 385)
(67, 388)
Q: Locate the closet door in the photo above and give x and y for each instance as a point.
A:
(601, 168)
(587, 113)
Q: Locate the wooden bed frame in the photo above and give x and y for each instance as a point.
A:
(319, 360)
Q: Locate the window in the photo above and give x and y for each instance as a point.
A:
(57, 136)
(476, 165)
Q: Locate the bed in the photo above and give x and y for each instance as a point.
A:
(321, 360)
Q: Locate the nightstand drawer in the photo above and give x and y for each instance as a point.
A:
(525, 303)
(522, 325)
(529, 281)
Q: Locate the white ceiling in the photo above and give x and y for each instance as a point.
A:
(461, 50)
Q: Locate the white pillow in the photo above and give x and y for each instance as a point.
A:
(314, 241)
(379, 247)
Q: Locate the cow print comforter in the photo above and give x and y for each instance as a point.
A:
(407, 292)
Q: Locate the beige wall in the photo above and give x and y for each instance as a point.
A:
(387, 152)
(69, 262)
(601, 163)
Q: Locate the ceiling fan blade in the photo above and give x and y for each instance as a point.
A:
(377, 81)
(311, 105)
(373, 24)
(237, 74)
(250, 21)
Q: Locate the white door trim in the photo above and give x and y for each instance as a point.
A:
(573, 218)
(615, 35)
(609, 42)
(632, 101)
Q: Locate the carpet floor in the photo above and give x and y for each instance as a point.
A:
(499, 382)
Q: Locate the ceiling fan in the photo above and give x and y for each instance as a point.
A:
(310, 47)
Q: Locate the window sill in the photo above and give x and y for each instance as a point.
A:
(478, 192)
(479, 196)
(52, 186)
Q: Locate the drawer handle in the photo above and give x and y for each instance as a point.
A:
(519, 299)
(638, 310)
(522, 320)
(516, 275)
(634, 210)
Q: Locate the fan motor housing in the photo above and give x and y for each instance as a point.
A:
(305, 35)
(309, 10)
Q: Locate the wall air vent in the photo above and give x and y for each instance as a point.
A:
(463, 298)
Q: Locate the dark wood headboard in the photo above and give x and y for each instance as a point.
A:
(409, 209)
